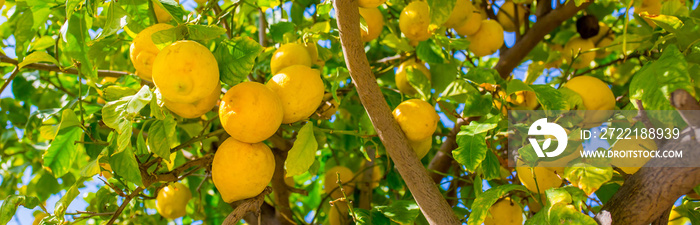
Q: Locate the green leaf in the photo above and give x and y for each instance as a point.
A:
(442, 75)
(116, 19)
(516, 85)
(68, 119)
(63, 203)
(204, 33)
(472, 149)
(113, 92)
(485, 200)
(75, 36)
(401, 212)
(669, 23)
(10, 204)
(394, 42)
(91, 168)
(63, 151)
(161, 135)
(236, 58)
(572, 98)
(586, 177)
(481, 75)
(491, 167)
(477, 104)
(166, 37)
(419, 81)
(278, 30)
(655, 82)
(440, 10)
(430, 52)
(302, 154)
(124, 164)
(36, 57)
(566, 214)
(118, 114)
(173, 8)
(549, 98)
(459, 90)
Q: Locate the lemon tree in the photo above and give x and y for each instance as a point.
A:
(337, 112)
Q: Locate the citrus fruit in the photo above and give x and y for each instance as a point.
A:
(171, 201)
(107, 173)
(578, 48)
(242, 170)
(546, 178)
(504, 212)
(250, 112)
(143, 51)
(421, 147)
(162, 15)
(330, 181)
(370, 3)
(414, 21)
(197, 108)
(525, 100)
(487, 40)
(312, 49)
(507, 21)
(300, 90)
(595, 95)
(289, 54)
(461, 12)
(401, 77)
(471, 25)
(629, 164)
(185, 72)
(374, 21)
(417, 119)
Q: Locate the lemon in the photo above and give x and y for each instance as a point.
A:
(171, 201)
(338, 214)
(375, 23)
(162, 15)
(414, 21)
(471, 25)
(525, 100)
(546, 178)
(105, 80)
(632, 165)
(300, 89)
(603, 39)
(197, 108)
(579, 48)
(143, 51)
(461, 12)
(370, 3)
(107, 173)
(185, 72)
(507, 21)
(487, 40)
(421, 147)
(289, 54)
(595, 95)
(330, 181)
(40, 216)
(676, 218)
(401, 78)
(417, 119)
(504, 212)
(250, 112)
(241, 170)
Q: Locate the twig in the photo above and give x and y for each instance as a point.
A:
(196, 139)
(249, 205)
(123, 205)
(55, 68)
(7, 82)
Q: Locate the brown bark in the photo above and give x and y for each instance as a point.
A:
(426, 194)
(244, 207)
(545, 24)
(281, 191)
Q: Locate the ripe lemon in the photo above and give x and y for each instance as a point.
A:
(107, 173)
(506, 21)
(546, 178)
(595, 95)
(143, 52)
(487, 40)
(250, 112)
(289, 54)
(417, 119)
(171, 201)
(241, 170)
(525, 100)
(421, 147)
(300, 89)
(461, 12)
(375, 23)
(185, 72)
(370, 3)
(40, 216)
(330, 181)
(580, 47)
(504, 212)
(603, 39)
(401, 78)
(338, 214)
(161, 14)
(414, 21)
(197, 108)
(471, 25)
(632, 165)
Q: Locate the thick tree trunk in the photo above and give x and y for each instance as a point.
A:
(426, 194)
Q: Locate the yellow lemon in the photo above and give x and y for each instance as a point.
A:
(414, 21)
(338, 214)
(417, 119)
(579, 48)
(506, 21)
(401, 78)
(632, 165)
(525, 99)
(546, 178)
(471, 25)
(171, 201)
(330, 181)
(676, 218)
(487, 40)
(375, 23)
(185, 72)
(197, 108)
(241, 170)
(505, 212)
(40, 216)
(422, 147)
(300, 89)
(250, 112)
(595, 95)
(289, 54)
(143, 52)
(603, 39)
(461, 12)
(107, 173)
(161, 14)
(370, 3)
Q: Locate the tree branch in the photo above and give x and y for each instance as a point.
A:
(545, 24)
(123, 205)
(249, 205)
(426, 194)
(55, 68)
(443, 159)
